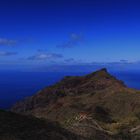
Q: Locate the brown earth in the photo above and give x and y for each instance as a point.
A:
(89, 106)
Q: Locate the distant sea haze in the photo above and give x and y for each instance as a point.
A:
(15, 86)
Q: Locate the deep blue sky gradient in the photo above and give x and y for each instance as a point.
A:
(54, 33)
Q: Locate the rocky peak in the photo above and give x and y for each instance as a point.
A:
(100, 79)
(100, 73)
(72, 86)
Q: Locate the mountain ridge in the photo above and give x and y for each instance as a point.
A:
(83, 104)
(68, 82)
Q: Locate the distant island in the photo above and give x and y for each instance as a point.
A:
(96, 106)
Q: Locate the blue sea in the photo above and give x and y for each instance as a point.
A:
(15, 86)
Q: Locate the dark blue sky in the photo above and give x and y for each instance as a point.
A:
(37, 34)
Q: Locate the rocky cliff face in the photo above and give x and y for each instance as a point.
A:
(87, 105)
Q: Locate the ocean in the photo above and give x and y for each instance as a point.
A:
(15, 86)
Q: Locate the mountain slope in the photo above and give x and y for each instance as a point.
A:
(18, 127)
(70, 86)
(97, 101)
